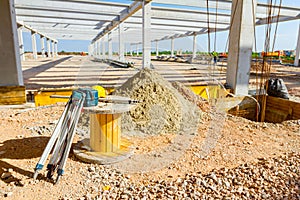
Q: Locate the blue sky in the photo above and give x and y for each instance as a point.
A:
(286, 39)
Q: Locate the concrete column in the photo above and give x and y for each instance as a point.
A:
(146, 34)
(99, 48)
(21, 43)
(56, 51)
(297, 55)
(53, 51)
(42, 46)
(33, 42)
(109, 45)
(96, 48)
(121, 43)
(194, 46)
(130, 50)
(10, 67)
(48, 47)
(240, 46)
(89, 50)
(103, 48)
(172, 47)
(156, 48)
(137, 50)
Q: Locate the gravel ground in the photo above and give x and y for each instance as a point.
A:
(250, 160)
(273, 178)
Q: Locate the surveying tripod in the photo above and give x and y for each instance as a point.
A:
(62, 137)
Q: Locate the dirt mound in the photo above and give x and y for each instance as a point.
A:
(191, 96)
(162, 109)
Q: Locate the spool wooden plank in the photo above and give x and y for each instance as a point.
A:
(95, 131)
(109, 132)
(116, 132)
(103, 143)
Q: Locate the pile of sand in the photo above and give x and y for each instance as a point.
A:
(162, 109)
(191, 96)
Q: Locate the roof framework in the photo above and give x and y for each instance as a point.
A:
(91, 19)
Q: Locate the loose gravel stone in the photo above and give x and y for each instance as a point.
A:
(250, 180)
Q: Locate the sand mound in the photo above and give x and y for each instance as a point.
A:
(191, 96)
(162, 109)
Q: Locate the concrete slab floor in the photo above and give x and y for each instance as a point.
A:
(68, 71)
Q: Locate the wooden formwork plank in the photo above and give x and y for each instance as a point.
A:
(12, 95)
(279, 109)
(240, 106)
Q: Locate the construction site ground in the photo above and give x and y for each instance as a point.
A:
(228, 156)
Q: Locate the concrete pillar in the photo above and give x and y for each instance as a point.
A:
(194, 46)
(48, 48)
(297, 55)
(103, 49)
(99, 48)
(42, 46)
(130, 49)
(121, 43)
(156, 45)
(146, 34)
(89, 50)
(172, 47)
(96, 49)
(21, 43)
(33, 42)
(10, 67)
(53, 51)
(109, 45)
(240, 46)
(56, 51)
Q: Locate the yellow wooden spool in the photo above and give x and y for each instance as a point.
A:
(105, 132)
(105, 145)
